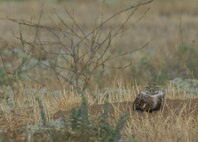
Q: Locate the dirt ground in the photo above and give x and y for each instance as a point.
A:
(171, 107)
(174, 107)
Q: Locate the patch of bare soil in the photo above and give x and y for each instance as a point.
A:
(172, 107)
(175, 107)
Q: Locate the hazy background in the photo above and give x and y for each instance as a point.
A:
(170, 27)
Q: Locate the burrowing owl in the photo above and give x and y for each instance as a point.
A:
(150, 100)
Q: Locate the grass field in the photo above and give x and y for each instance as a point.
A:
(158, 42)
(176, 122)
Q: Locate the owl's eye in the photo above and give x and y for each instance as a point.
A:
(147, 89)
(156, 88)
(156, 92)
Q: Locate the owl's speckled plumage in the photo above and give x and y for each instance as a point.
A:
(150, 100)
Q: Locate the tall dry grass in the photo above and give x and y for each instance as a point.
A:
(146, 127)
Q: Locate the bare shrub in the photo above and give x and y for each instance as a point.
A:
(67, 53)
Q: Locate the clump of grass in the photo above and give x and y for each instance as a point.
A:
(159, 128)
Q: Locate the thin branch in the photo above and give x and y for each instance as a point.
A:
(181, 31)
(126, 53)
(111, 17)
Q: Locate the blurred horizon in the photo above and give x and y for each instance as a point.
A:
(165, 25)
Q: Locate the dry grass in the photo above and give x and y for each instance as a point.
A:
(158, 128)
(177, 122)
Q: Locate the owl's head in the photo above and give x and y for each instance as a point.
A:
(152, 89)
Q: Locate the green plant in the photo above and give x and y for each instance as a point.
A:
(83, 128)
(132, 139)
(1, 139)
